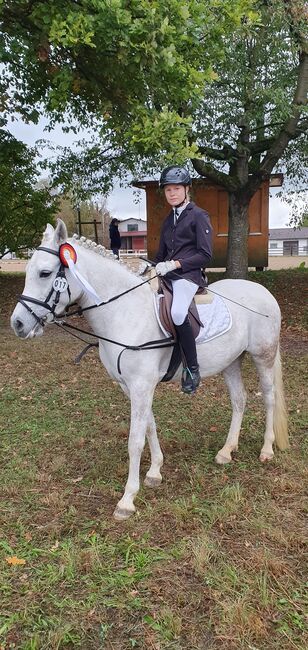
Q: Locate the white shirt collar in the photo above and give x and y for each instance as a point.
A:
(180, 209)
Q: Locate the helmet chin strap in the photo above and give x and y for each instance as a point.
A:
(179, 205)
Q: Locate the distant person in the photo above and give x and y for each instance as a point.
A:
(115, 238)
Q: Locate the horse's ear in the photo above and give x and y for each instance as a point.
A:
(48, 233)
(60, 234)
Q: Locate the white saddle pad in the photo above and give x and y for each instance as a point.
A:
(216, 319)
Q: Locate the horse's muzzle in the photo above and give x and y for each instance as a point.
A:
(22, 329)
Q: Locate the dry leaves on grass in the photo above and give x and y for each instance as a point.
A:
(55, 546)
(15, 561)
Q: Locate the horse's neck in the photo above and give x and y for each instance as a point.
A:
(109, 278)
(105, 274)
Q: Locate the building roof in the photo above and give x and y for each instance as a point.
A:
(288, 233)
(133, 219)
(275, 180)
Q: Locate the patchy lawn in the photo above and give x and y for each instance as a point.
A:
(213, 560)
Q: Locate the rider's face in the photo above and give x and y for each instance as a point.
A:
(175, 194)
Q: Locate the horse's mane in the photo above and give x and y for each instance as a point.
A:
(101, 250)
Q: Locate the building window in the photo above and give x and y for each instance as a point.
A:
(132, 227)
(273, 244)
(290, 247)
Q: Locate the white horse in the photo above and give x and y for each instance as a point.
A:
(131, 321)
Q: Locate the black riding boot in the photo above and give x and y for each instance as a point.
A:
(191, 376)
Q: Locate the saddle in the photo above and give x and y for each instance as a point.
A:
(165, 302)
(164, 288)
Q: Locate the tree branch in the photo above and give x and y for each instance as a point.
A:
(226, 153)
(219, 178)
(289, 130)
(260, 145)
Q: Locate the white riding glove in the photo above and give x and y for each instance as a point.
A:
(165, 267)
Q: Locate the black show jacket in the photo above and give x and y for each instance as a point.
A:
(189, 241)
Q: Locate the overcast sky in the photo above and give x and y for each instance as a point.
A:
(122, 201)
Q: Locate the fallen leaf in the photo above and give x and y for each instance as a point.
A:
(77, 480)
(55, 546)
(23, 577)
(14, 561)
(91, 612)
(213, 428)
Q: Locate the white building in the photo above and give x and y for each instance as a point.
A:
(288, 241)
(133, 234)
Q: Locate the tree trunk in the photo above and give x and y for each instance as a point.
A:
(237, 254)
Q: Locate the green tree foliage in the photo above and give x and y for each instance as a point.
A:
(222, 83)
(24, 209)
(304, 221)
(252, 117)
(85, 170)
(111, 57)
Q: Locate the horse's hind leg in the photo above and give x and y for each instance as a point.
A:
(233, 379)
(266, 374)
(153, 477)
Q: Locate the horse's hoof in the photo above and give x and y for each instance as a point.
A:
(222, 460)
(152, 482)
(121, 514)
(265, 458)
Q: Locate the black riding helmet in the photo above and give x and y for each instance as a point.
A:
(175, 175)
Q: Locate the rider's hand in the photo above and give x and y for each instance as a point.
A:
(165, 267)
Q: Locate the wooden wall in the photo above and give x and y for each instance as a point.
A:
(214, 200)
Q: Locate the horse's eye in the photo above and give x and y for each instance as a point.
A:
(45, 274)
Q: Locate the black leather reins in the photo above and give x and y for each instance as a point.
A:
(23, 299)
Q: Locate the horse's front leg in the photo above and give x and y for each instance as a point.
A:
(141, 398)
(153, 477)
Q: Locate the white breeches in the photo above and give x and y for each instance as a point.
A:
(183, 293)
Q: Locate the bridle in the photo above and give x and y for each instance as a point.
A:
(41, 320)
(23, 299)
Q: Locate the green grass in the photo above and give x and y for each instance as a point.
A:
(214, 559)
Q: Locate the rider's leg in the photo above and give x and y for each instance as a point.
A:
(183, 293)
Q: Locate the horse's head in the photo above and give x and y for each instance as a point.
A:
(47, 291)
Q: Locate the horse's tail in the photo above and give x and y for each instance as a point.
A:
(280, 410)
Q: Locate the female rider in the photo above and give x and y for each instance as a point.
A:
(185, 249)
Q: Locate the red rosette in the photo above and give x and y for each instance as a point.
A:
(67, 249)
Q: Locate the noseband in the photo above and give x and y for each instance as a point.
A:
(41, 320)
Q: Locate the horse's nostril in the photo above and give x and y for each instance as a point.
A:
(19, 325)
